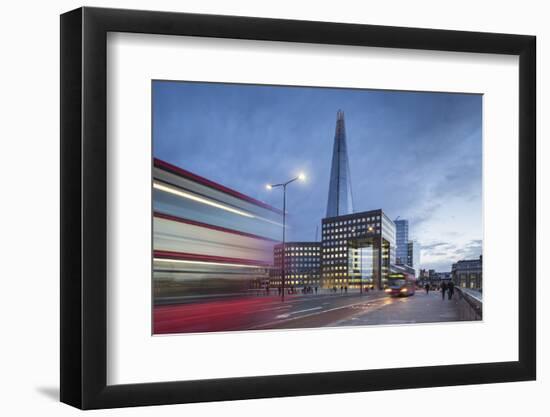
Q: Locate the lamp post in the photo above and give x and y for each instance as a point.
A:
(300, 177)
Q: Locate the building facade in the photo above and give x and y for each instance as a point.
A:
(302, 265)
(413, 255)
(468, 273)
(401, 242)
(357, 250)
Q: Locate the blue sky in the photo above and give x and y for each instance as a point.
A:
(415, 155)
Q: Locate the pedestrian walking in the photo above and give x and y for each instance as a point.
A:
(427, 288)
(443, 289)
(451, 290)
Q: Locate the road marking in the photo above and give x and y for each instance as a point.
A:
(266, 326)
(284, 316)
(377, 304)
(272, 309)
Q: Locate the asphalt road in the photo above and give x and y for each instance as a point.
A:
(304, 311)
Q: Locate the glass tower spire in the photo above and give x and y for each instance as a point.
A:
(339, 193)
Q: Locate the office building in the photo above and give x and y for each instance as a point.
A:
(357, 250)
(302, 265)
(413, 255)
(401, 241)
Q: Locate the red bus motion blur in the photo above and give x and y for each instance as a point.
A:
(401, 284)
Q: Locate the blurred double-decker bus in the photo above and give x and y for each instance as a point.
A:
(209, 241)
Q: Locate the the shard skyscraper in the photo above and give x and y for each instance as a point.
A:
(339, 192)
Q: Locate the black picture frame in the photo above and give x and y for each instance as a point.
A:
(84, 207)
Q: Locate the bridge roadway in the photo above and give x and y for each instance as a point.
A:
(304, 311)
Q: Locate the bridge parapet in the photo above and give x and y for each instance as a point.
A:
(470, 304)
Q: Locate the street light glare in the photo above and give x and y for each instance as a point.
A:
(302, 176)
(268, 186)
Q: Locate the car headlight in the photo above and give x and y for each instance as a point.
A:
(403, 290)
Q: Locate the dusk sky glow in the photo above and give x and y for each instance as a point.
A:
(414, 155)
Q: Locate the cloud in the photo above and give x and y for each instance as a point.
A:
(441, 255)
(471, 250)
(434, 245)
(415, 155)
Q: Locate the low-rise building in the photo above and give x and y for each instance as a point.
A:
(468, 273)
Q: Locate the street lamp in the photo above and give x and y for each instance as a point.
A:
(300, 177)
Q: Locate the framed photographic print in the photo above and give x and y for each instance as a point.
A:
(259, 208)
